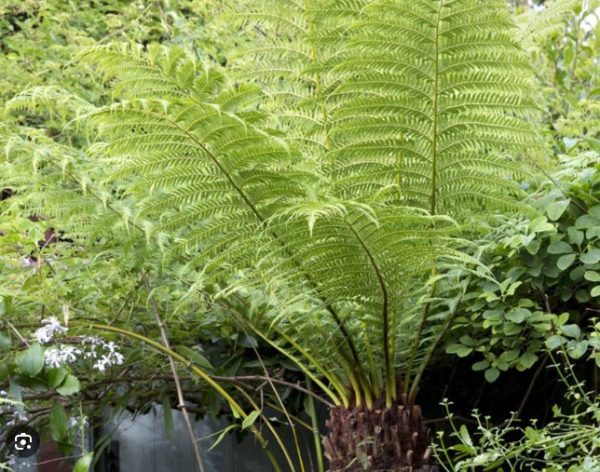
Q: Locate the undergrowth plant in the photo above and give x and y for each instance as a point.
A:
(569, 442)
(542, 287)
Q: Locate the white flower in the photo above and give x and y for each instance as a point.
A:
(105, 354)
(101, 364)
(52, 357)
(54, 325)
(59, 356)
(118, 358)
(108, 360)
(42, 335)
(70, 353)
(111, 355)
(46, 333)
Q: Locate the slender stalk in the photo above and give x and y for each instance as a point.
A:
(312, 412)
(262, 378)
(415, 348)
(269, 426)
(434, 130)
(285, 412)
(531, 385)
(356, 388)
(390, 391)
(343, 397)
(16, 331)
(339, 387)
(180, 398)
(415, 384)
(298, 421)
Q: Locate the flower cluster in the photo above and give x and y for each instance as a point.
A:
(110, 357)
(58, 356)
(103, 354)
(46, 333)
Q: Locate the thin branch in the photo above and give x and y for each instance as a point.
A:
(262, 378)
(531, 385)
(16, 331)
(285, 412)
(312, 412)
(181, 406)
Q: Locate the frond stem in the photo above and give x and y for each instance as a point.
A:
(415, 348)
(415, 385)
(390, 392)
(436, 78)
(343, 398)
(236, 408)
(266, 421)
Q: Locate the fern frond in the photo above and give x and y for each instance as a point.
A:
(554, 18)
(433, 97)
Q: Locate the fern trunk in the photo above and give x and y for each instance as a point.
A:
(379, 439)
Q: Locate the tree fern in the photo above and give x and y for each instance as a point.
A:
(215, 185)
(318, 209)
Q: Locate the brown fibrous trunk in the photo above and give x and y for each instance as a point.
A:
(378, 439)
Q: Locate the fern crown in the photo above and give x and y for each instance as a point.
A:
(334, 180)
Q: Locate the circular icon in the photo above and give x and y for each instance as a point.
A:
(23, 441)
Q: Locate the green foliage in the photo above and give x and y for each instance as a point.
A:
(563, 45)
(31, 361)
(402, 99)
(92, 270)
(58, 423)
(324, 247)
(83, 463)
(335, 182)
(545, 276)
(293, 233)
(567, 443)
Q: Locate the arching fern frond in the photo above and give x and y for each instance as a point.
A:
(288, 63)
(52, 99)
(434, 98)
